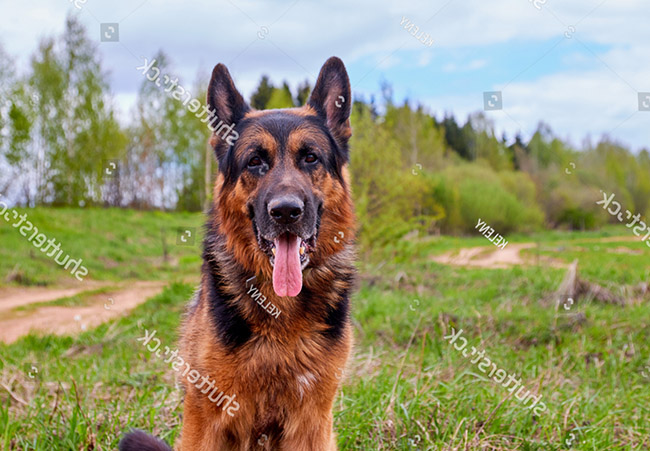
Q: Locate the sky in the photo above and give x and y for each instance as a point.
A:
(583, 67)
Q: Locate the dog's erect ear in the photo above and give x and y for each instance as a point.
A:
(227, 104)
(331, 99)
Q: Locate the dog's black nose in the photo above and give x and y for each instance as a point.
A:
(286, 209)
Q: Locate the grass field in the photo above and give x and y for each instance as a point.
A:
(115, 245)
(406, 388)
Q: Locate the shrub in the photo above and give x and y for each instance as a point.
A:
(470, 192)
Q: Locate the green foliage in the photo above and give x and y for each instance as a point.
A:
(457, 137)
(268, 97)
(280, 98)
(262, 95)
(166, 160)
(419, 138)
(410, 172)
(578, 219)
(302, 94)
(390, 200)
(21, 117)
(70, 87)
(471, 191)
(402, 373)
(110, 356)
(485, 146)
(114, 244)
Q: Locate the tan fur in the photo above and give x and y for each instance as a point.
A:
(285, 377)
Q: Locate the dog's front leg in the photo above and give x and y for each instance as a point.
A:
(202, 433)
(310, 433)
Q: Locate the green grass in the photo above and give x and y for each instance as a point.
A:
(81, 299)
(99, 381)
(114, 244)
(406, 388)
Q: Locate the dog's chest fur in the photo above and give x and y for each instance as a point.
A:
(281, 374)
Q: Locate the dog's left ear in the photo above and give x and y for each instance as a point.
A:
(331, 99)
(228, 105)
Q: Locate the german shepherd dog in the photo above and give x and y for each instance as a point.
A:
(280, 233)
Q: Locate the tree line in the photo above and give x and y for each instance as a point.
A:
(62, 145)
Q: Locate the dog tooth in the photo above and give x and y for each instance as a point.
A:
(302, 250)
(273, 251)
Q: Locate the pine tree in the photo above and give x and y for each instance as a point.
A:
(262, 95)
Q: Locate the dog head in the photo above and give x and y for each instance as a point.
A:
(282, 195)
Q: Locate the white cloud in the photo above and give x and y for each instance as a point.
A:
(424, 58)
(596, 102)
(301, 35)
(576, 104)
(468, 66)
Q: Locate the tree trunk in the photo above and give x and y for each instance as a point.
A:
(573, 288)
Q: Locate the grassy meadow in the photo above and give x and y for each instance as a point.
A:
(115, 245)
(405, 388)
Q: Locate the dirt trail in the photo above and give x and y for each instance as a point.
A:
(11, 297)
(62, 320)
(485, 256)
(493, 257)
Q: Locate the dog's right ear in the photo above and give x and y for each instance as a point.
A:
(229, 107)
(331, 99)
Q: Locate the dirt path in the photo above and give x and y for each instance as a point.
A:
(493, 257)
(485, 256)
(62, 320)
(11, 297)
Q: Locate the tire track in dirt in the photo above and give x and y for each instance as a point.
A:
(491, 257)
(65, 320)
(11, 297)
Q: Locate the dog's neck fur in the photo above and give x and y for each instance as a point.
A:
(237, 317)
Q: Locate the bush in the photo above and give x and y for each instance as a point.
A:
(578, 219)
(573, 205)
(469, 192)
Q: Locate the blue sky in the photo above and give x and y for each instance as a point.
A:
(480, 67)
(579, 67)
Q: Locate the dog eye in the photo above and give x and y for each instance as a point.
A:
(311, 158)
(254, 162)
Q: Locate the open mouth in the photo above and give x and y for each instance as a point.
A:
(303, 249)
(289, 255)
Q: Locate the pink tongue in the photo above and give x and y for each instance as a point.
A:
(287, 275)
